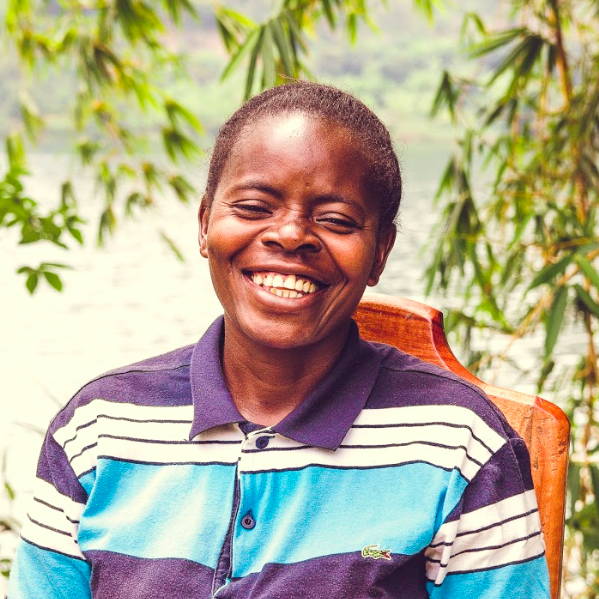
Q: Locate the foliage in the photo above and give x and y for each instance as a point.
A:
(519, 230)
(109, 49)
(115, 108)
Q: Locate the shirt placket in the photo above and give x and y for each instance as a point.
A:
(245, 507)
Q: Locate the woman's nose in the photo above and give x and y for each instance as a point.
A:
(292, 234)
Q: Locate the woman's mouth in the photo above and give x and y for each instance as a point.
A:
(285, 285)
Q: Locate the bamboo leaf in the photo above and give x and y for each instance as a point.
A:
(555, 318)
(283, 47)
(268, 60)
(446, 95)
(172, 246)
(551, 271)
(587, 300)
(243, 50)
(573, 486)
(249, 82)
(496, 41)
(587, 268)
(595, 483)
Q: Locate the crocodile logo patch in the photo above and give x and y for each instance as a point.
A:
(375, 552)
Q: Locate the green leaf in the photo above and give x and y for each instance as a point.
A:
(551, 271)
(249, 81)
(32, 281)
(172, 246)
(10, 492)
(587, 300)
(328, 13)
(587, 268)
(446, 95)
(595, 483)
(268, 61)
(555, 318)
(53, 280)
(352, 27)
(573, 485)
(246, 47)
(283, 47)
(496, 41)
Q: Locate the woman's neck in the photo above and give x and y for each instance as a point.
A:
(268, 383)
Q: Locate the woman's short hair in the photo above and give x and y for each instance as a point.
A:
(330, 104)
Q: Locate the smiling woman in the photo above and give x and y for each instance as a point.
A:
(281, 456)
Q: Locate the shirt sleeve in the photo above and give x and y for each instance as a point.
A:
(48, 561)
(491, 545)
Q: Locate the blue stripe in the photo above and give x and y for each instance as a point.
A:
(38, 572)
(87, 481)
(320, 511)
(527, 580)
(153, 511)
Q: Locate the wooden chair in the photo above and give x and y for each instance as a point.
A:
(417, 329)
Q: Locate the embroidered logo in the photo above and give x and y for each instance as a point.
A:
(375, 552)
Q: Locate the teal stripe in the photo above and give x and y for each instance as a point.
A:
(87, 480)
(320, 511)
(528, 580)
(154, 511)
(40, 573)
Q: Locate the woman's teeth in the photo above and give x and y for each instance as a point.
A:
(284, 285)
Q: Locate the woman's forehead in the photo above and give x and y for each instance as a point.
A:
(296, 137)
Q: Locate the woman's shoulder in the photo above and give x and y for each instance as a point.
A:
(405, 381)
(160, 380)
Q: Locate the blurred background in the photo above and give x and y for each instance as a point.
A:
(108, 111)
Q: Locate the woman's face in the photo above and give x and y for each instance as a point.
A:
(292, 235)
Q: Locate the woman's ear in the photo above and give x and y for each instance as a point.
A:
(203, 214)
(384, 245)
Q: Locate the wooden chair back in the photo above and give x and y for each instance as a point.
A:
(417, 329)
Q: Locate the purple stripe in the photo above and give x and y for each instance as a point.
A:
(53, 467)
(407, 381)
(115, 576)
(506, 474)
(344, 575)
(158, 381)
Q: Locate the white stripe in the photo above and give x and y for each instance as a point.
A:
(518, 551)
(499, 524)
(84, 414)
(46, 492)
(49, 539)
(155, 453)
(431, 433)
(41, 516)
(488, 515)
(457, 415)
(359, 458)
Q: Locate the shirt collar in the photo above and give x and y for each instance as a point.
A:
(321, 420)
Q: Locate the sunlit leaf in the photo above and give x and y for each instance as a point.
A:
(587, 268)
(549, 272)
(555, 318)
(587, 300)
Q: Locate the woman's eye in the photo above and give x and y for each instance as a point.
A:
(338, 224)
(251, 210)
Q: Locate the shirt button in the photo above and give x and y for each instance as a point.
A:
(248, 521)
(262, 442)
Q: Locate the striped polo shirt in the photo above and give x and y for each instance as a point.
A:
(393, 479)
